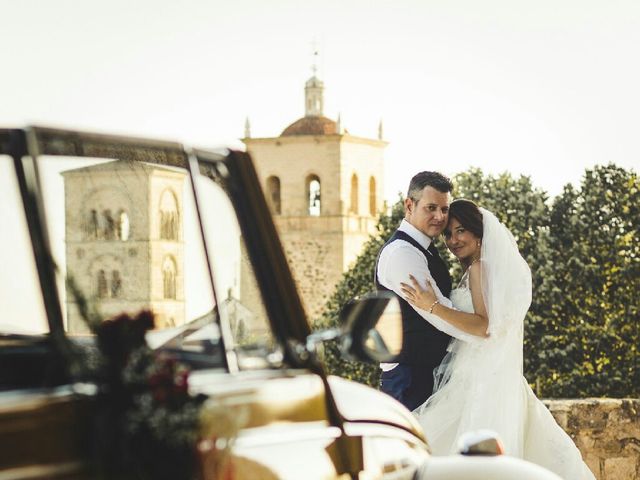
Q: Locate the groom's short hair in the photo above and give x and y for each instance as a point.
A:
(428, 179)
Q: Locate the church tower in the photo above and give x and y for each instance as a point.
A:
(124, 239)
(324, 188)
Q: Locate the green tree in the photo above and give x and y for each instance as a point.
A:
(591, 308)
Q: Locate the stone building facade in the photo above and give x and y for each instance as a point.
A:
(325, 190)
(124, 240)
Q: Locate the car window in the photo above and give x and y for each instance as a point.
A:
(127, 235)
(242, 310)
(23, 310)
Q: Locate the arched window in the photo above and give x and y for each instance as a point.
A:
(116, 284)
(123, 226)
(103, 290)
(169, 278)
(273, 195)
(353, 208)
(93, 228)
(314, 201)
(169, 218)
(109, 225)
(373, 208)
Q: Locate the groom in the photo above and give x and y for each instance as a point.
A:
(411, 251)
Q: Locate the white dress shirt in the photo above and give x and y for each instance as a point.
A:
(397, 261)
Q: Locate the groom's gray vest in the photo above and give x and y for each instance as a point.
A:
(423, 345)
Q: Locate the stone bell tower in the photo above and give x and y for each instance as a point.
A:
(124, 239)
(325, 188)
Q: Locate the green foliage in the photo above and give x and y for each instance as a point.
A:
(582, 331)
(590, 346)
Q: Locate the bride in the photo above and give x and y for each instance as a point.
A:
(479, 384)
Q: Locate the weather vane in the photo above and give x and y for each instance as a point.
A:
(314, 48)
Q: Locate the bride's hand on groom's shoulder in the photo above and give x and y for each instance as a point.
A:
(416, 295)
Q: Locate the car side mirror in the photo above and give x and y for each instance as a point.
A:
(372, 328)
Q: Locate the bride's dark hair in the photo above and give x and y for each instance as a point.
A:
(468, 214)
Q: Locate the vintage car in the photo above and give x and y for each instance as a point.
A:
(99, 226)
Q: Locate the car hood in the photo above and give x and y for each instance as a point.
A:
(359, 403)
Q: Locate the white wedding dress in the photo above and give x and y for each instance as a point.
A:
(480, 384)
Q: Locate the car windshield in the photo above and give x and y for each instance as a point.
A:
(127, 235)
(241, 307)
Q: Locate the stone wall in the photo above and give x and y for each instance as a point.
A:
(315, 260)
(607, 432)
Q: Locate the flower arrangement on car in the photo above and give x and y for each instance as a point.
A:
(147, 424)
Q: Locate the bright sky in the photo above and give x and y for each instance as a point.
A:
(545, 87)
